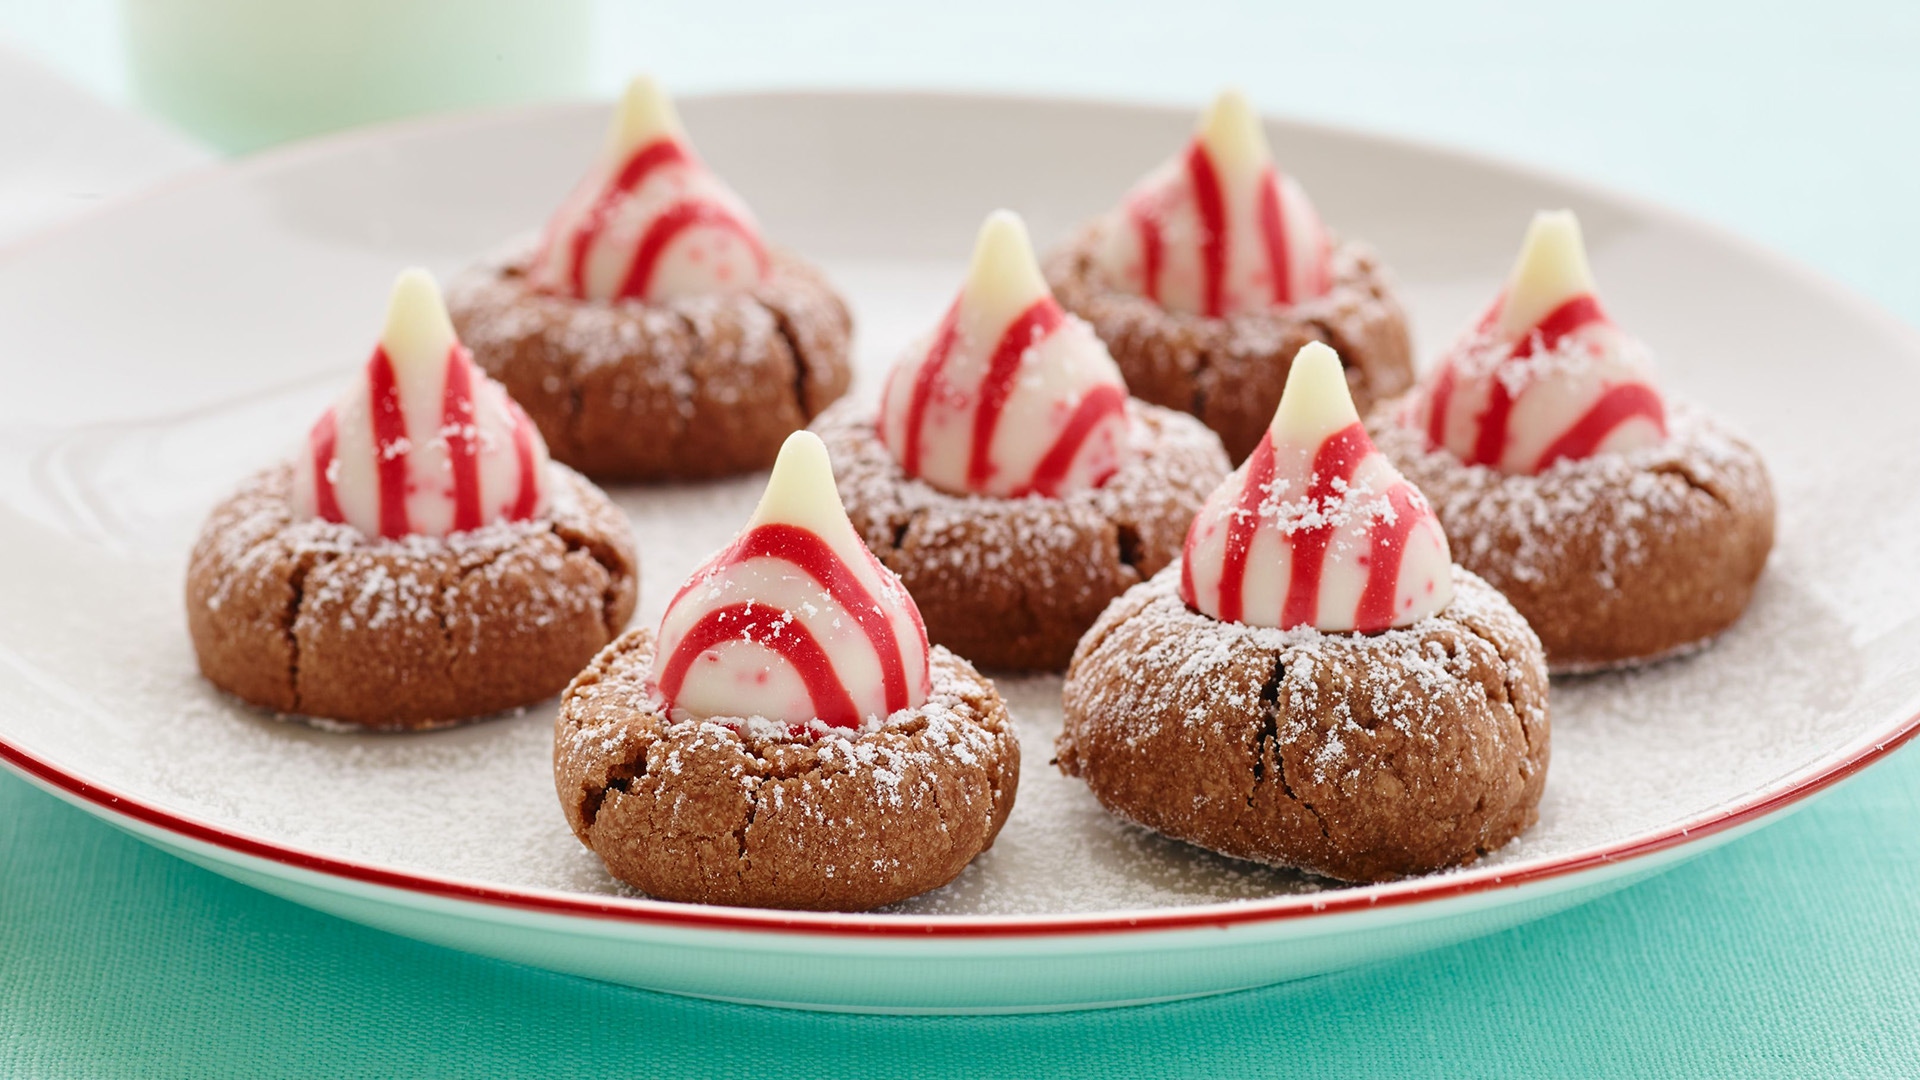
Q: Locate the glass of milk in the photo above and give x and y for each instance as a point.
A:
(244, 74)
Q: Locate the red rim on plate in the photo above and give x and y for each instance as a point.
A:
(690, 916)
(694, 916)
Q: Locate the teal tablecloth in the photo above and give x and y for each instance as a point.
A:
(1790, 954)
(1795, 952)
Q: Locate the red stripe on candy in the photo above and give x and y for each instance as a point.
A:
(852, 596)
(1028, 329)
(1388, 552)
(1490, 434)
(1096, 406)
(1241, 525)
(1146, 222)
(1211, 204)
(1490, 431)
(632, 174)
(1273, 231)
(528, 498)
(1336, 459)
(1581, 311)
(805, 550)
(886, 402)
(1437, 405)
(923, 384)
(390, 444)
(1615, 407)
(1322, 261)
(326, 505)
(777, 631)
(463, 450)
(663, 230)
(913, 613)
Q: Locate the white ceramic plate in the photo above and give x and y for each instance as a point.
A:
(164, 348)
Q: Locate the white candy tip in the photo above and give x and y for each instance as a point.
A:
(643, 114)
(1003, 260)
(1317, 401)
(801, 490)
(1232, 131)
(418, 326)
(1552, 269)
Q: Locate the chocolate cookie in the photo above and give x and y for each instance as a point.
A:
(752, 813)
(683, 390)
(1013, 583)
(316, 619)
(1360, 757)
(1616, 559)
(1229, 371)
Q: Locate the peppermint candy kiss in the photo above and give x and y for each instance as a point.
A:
(424, 443)
(650, 221)
(1545, 375)
(1011, 395)
(1219, 230)
(795, 621)
(1317, 528)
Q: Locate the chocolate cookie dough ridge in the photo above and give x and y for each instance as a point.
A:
(649, 221)
(1010, 395)
(1205, 651)
(1172, 463)
(1572, 497)
(1317, 528)
(1219, 229)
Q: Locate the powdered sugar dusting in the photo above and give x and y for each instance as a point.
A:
(902, 759)
(502, 312)
(1407, 678)
(1173, 461)
(361, 582)
(96, 673)
(1484, 508)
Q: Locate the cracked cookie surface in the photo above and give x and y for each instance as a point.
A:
(1360, 757)
(1229, 371)
(1013, 583)
(315, 619)
(749, 813)
(1615, 559)
(690, 389)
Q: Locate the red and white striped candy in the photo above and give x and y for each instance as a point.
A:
(1219, 230)
(1544, 375)
(650, 221)
(795, 621)
(1317, 528)
(1011, 395)
(424, 443)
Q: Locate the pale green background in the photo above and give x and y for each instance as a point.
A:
(1793, 953)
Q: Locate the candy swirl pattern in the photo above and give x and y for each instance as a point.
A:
(1219, 229)
(794, 621)
(650, 221)
(1317, 529)
(424, 443)
(1011, 396)
(1545, 375)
